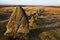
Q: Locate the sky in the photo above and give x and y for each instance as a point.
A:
(30, 2)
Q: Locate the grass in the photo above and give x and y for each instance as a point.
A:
(2, 30)
(40, 33)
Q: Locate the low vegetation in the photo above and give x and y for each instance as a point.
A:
(44, 24)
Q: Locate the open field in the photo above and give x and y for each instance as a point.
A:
(44, 22)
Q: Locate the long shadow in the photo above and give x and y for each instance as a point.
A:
(42, 22)
(36, 32)
(4, 16)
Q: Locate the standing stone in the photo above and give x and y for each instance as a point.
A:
(18, 22)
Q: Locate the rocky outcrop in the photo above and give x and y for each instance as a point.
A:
(38, 22)
(18, 22)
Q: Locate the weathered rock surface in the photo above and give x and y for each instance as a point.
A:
(44, 22)
(17, 22)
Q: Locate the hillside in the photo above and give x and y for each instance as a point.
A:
(44, 21)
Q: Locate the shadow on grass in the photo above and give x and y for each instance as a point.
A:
(36, 32)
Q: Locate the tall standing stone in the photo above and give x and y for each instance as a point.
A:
(18, 22)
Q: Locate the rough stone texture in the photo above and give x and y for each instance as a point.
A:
(17, 23)
(44, 23)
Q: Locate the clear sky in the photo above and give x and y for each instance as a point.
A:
(30, 2)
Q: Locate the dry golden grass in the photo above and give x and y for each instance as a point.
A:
(48, 22)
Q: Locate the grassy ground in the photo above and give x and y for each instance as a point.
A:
(49, 30)
(2, 30)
